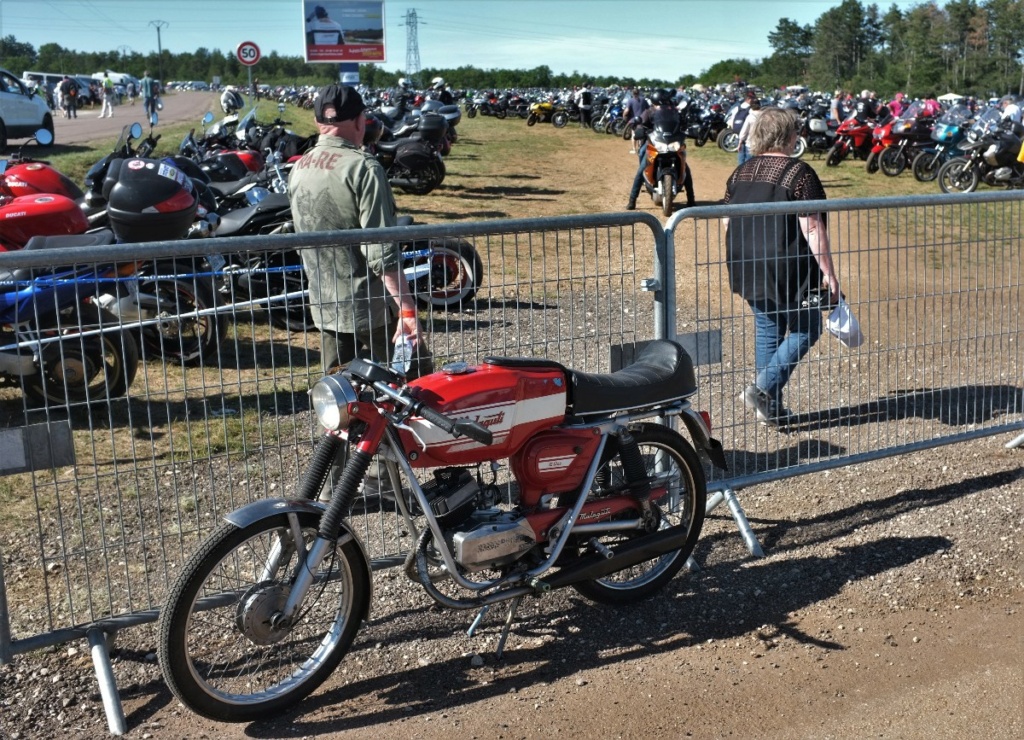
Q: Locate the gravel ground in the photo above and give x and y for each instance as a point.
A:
(888, 605)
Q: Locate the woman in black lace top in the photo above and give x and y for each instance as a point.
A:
(775, 260)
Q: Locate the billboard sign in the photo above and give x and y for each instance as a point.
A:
(343, 30)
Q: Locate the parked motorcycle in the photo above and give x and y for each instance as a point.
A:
(817, 133)
(853, 137)
(547, 112)
(992, 155)
(910, 132)
(703, 123)
(948, 131)
(412, 163)
(665, 155)
(57, 343)
(269, 605)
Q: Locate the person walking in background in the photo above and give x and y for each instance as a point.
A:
(585, 101)
(108, 97)
(743, 153)
(69, 97)
(774, 261)
(132, 91)
(149, 93)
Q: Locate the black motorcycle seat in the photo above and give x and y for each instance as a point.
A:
(230, 187)
(92, 239)
(389, 147)
(234, 221)
(99, 238)
(663, 372)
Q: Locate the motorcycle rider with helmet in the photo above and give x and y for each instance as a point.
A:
(661, 101)
(402, 97)
(441, 92)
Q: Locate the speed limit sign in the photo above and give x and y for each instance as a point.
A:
(248, 53)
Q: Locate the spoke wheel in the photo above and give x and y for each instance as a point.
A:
(679, 493)
(455, 274)
(958, 176)
(222, 654)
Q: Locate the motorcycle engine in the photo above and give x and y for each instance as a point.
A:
(492, 538)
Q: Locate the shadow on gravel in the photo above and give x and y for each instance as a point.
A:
(542, 649)
(968, 404)
(554, 638)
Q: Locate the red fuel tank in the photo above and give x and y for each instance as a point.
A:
(26, 216)
(515, 403)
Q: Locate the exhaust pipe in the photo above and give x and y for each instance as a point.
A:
(626, 555)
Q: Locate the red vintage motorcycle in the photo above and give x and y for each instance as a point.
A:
(852, 137)
(596, 499)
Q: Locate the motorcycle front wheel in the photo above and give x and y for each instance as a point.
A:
(729, 140)
(926, 166)
(84, 369)
(871, 164)
(892, 162)
(835, 155)
(531, 119)
(673, 466)
(470, 112)
(560, 119)
(455, 274)
(666, 190)
(958, 175)
(219, 650)
(800, 148)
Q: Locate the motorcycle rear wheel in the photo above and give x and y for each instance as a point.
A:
(958, 175)
(191, 340)
(892, 161)
(456, 273)
(668, 457)
(89, 369)
(500, 114)
(218, 652)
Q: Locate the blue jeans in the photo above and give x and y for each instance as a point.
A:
(743, 154)
(781, 340)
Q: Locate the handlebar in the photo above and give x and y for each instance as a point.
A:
(456, 428)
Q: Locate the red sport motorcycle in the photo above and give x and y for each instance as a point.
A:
(594, 498)
(852, 137)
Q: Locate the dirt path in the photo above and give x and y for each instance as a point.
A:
(890, 603)
(89, 127)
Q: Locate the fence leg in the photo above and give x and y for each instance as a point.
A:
(749, 538)
(105, 677)
(1018, 442)
(5, 620)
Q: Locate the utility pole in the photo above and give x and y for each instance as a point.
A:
(412, 46)
(124, 49)
(159, 48)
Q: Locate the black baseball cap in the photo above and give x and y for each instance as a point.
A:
(346, 102)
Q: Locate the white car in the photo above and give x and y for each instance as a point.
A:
(22, 111)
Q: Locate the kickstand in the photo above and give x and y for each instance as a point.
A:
(508, 626)
(479, 618)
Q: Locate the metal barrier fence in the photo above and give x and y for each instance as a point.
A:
(935, 282)
(103, 502)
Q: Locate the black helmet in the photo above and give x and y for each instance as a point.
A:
(661, 97)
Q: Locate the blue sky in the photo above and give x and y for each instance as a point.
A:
(638, 38)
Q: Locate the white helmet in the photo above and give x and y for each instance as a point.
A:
(437, 83)
(403, 83)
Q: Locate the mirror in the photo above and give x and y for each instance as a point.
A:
(44, 137)
(136, 130)
(208, 118)
(153, 119)
(280, 107)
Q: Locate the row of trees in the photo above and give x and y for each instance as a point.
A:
(967, 46)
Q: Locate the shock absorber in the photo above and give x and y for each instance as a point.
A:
(633, 466)
(344, 492)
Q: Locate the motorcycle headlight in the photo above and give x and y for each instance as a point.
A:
(331, 397)
(664, 147)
